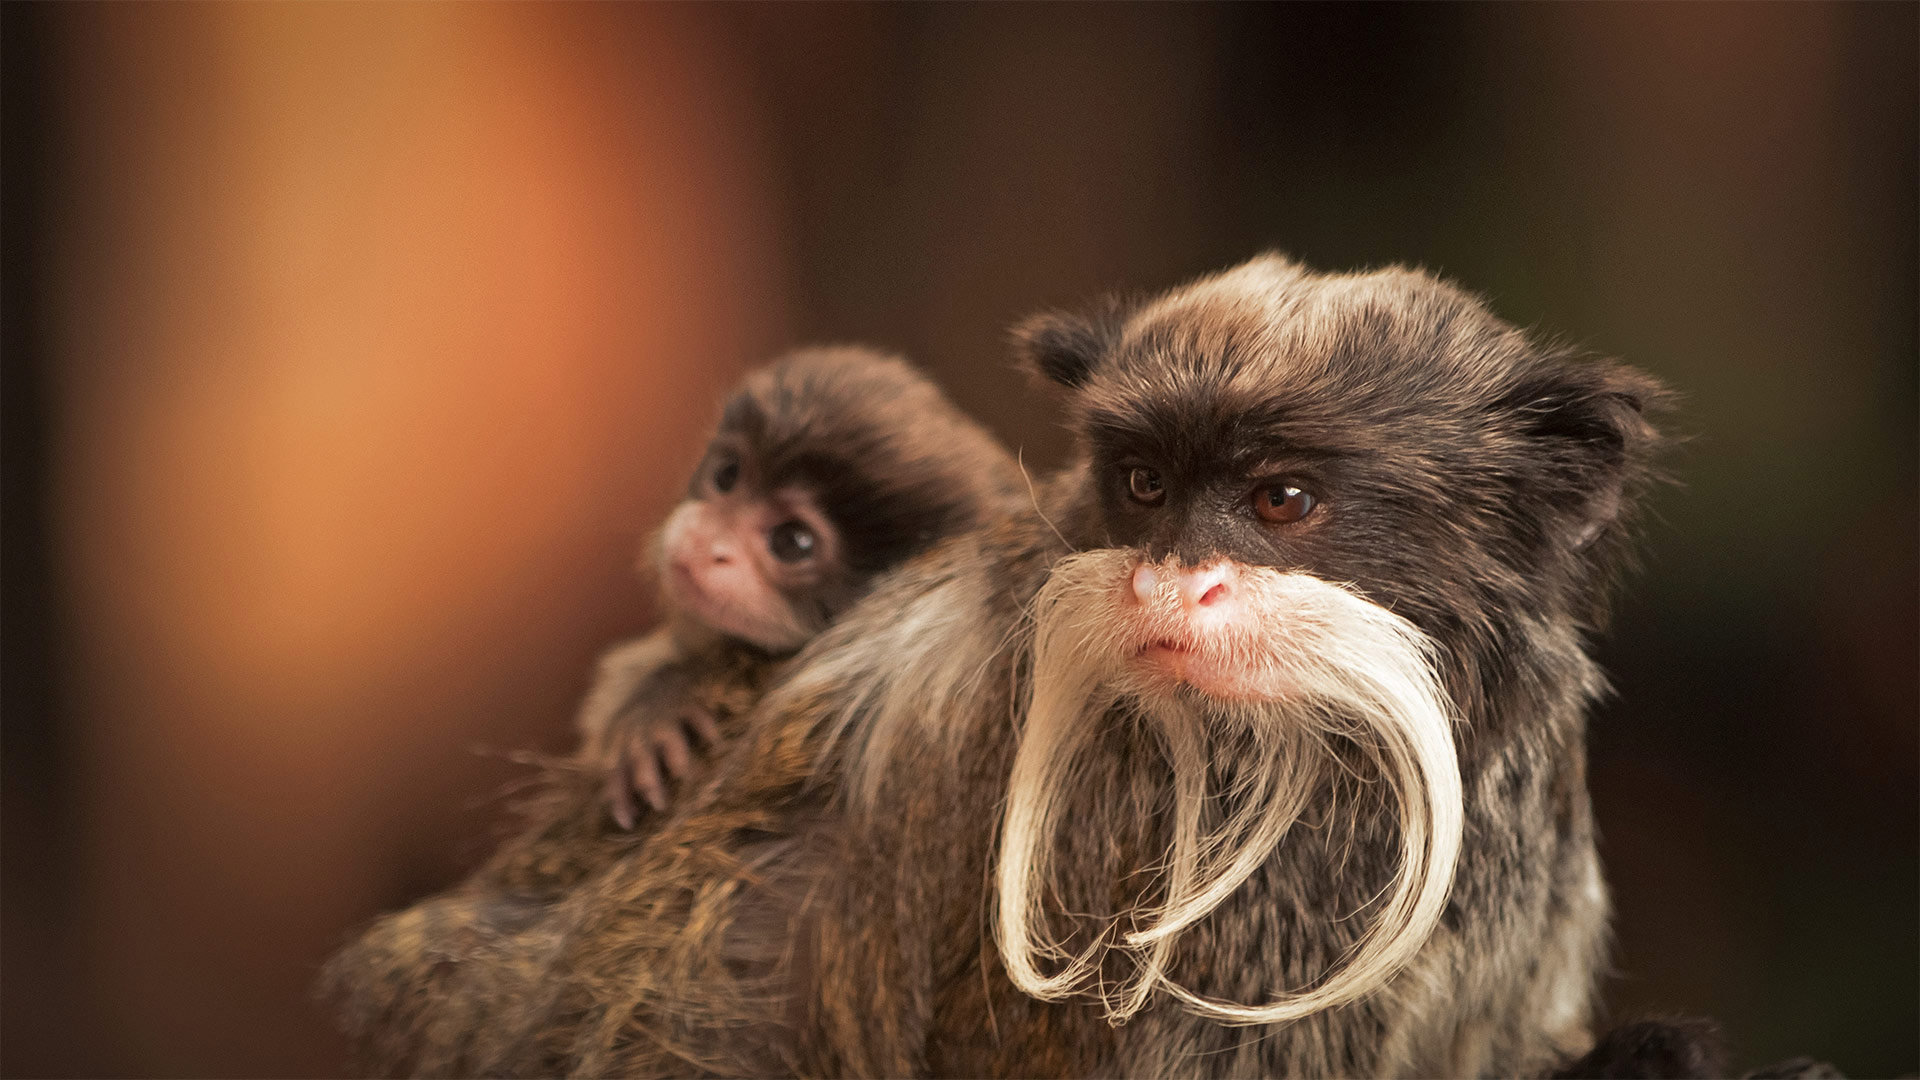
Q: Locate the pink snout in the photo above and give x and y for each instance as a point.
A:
(1205, 593)
(722, 550)
(1195, 626)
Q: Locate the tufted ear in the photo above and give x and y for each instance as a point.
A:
(1065, 348)
(1588, 423)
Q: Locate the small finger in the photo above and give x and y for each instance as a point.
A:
(620, 798)
(647, 780)
(701, 724)
(674, 752)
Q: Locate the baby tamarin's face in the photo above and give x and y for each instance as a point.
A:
(827, 469)
(748, 557)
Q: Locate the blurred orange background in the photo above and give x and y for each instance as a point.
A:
(353, 349)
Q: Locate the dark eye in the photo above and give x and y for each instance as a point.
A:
(791, 542)
(1143, 484)
(1282, 503)
(726, 473)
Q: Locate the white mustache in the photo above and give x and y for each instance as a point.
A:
(1319, 663)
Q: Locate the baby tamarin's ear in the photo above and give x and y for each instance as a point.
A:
(1066, 347)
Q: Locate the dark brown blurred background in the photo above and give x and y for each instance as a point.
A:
(350, 350)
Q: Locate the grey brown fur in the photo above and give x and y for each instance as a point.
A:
(1473, 481)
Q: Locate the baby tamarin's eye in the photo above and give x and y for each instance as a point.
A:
(726, 473)
(1143, 484)
(1282, 503)
(791, 542)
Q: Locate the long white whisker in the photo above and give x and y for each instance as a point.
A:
(1346, 672)
(1019, 458)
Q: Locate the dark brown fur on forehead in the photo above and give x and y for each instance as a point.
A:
(892, 462)
(1268, 345)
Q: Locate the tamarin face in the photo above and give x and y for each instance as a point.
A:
(828, 468)
(1383, 432)
(749, 559)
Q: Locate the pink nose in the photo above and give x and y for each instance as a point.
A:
(1205, 586)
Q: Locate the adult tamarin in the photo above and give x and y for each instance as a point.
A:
(1255, 748)
(828, 467)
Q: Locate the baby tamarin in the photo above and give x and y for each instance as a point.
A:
(828, 468)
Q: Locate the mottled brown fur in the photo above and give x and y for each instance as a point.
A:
(432, 990)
